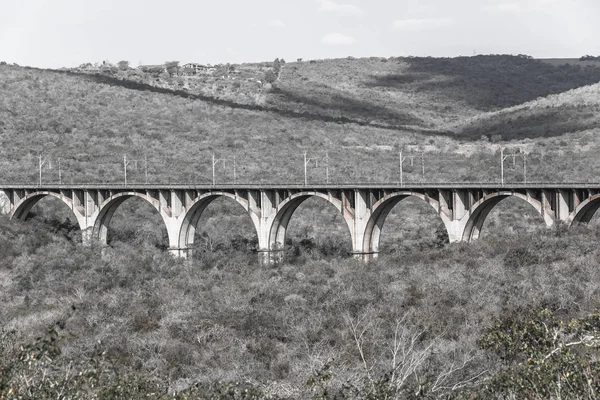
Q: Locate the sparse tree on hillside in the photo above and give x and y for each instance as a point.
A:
(589, 58)
(172, 66)
(269, 77)
(123, 65)
(276, 66)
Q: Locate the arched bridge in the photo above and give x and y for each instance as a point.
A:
(463, 208)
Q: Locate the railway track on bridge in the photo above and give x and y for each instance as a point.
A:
(291, 186)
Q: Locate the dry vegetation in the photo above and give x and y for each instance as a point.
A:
(362, 118)
(514, 315)
(310, 328)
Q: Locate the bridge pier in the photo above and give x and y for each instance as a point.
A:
(180, 252)
(87, 238)
(366, 257)
(271, 257)
(456, 230)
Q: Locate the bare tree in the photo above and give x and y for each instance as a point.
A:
(404, 354)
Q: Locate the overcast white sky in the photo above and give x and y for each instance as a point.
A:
(55, 33)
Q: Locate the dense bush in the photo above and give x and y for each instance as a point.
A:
(425, 322)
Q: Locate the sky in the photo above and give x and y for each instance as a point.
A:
(57, 33)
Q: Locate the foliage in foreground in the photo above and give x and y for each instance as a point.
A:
(545, 355)
(427, 322)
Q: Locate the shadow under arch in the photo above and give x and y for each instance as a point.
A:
(279, 221)
(192, 217)
(585, 211)
(381, 210)
(23, 208)
(107, 210)
(481, 209)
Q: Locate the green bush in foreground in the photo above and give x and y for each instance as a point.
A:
(545, 356)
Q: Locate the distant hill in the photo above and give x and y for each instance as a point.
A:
(571, 111)
(423, 91)
(419, 93)
(360, 111)
(570, 61)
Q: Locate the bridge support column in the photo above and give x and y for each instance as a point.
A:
(89, 203)
(271, 257)
(262, 206)
(357, 207)
(456, 230)
(172, 209)
(461, 203)
(452, 211)
(564, 204)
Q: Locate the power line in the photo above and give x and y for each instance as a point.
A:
(307, 161)
(215, 161)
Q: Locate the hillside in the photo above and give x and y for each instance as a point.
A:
(513, 315)
(416, 93)
(429, 91)
(362, 118)
(571, 111)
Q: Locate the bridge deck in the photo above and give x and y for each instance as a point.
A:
(288, 186)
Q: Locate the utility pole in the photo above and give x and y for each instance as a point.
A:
(41, 163)
(400, 162)
(125, 164)
(525, 167)
(514, 156)
(215, 161)
(213, 168)
(306, 161)
(146, 168)
(234, 171)
(327, 167)
(59, 172)
(423, 167)
(502, 166)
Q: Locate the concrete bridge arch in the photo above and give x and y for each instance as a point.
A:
(100, 220)
(584, 212)
(380, 211)
(479, 211)
(275, 229)
(21, 209)
(191, 218)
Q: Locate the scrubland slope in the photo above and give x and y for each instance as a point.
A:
(571, 111)
(140, 323)
(360, 111)
(511, 316)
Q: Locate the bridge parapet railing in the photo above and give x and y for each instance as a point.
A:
(292, 186)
